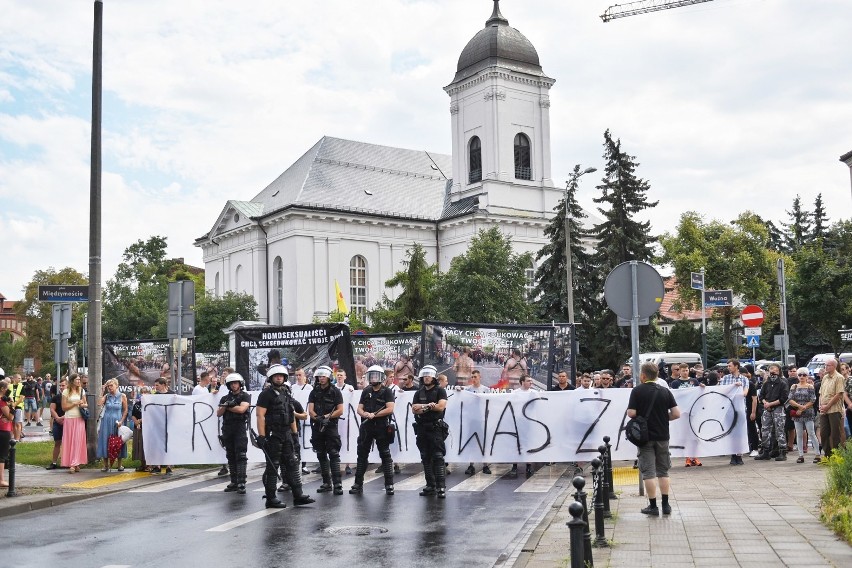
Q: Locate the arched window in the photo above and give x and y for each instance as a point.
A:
(475, 160)
(236, 287)
(358, 286)
(523, 170)
(278, 269)
(216, 285)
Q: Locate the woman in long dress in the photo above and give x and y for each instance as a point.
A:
(115, 413)
(74, 428)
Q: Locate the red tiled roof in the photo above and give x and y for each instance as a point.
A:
(667, 310)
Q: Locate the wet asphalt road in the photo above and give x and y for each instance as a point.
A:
(195, 524)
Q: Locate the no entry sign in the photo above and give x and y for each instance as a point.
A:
(752, 316)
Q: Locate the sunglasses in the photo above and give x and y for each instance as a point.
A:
(803, 374)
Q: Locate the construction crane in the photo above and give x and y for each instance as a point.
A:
(645, 6)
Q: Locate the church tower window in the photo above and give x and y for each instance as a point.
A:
(475, 165)
(523, 170)
(358, 286)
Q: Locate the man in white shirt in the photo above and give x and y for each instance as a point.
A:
(203, 385)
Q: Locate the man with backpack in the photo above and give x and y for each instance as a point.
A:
(658, 407)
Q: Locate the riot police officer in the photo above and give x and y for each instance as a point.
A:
(233, 408)
(275, 423)
(428, 406)
(325, 406)
(375, 406)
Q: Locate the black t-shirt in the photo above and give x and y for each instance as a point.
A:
(325, 400)
(29, 390)
(750, 396)
(373, 401)
(658, 416)
(774, 391)
(425, 396)
(56, 401)
(556, 387)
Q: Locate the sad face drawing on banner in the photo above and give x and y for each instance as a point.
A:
(712, 416)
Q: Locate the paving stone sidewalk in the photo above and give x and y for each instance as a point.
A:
(762, 514)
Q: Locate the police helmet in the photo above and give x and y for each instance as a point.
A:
(375, 374)
(323, 371)
(428, 371)
(277, 369)
(235, 378)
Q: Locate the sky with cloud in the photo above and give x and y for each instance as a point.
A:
(728, 105)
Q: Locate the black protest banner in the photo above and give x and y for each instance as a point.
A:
(501, 353)
(397, 351)
(305, 346)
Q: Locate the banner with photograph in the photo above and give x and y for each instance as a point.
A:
(501, 353)
(297, 346)
(397, 351)
(214, 363)
(516, 427)
(138, 363)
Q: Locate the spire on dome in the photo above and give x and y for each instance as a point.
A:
(496, 16)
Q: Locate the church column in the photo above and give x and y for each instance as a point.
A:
(321, 277)
(260, 284)
(338, 268)
(544, 140)
(386, 269)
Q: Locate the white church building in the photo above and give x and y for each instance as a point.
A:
(348, 211)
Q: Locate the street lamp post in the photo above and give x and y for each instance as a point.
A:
(569, 273)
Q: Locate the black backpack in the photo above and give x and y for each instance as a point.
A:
(636, 430)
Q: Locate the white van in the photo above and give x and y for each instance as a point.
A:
(670, 358)
(817, 362)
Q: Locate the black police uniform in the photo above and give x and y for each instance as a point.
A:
(325, 437)
(235, 439)
(278, 445)
(297, 441)
(374, 430)
(430, 430)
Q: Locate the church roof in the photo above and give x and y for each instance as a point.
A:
(357, 176)
(498, 44)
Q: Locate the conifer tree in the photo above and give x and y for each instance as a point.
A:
(820, 219)
(799, 227)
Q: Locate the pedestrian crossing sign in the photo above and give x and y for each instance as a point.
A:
(753, 341)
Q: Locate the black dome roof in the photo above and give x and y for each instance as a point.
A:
(498, 43)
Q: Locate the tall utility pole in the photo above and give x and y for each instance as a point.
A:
(94, 315)
(569, 271)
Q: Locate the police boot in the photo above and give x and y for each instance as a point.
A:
(334, 465)
(272, 502)
(232, 469)
(325, 468)
(387, 465)
(430, 479)
(241, 477)
(440, 476)
(358, 486)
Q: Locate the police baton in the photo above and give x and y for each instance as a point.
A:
(254, 437)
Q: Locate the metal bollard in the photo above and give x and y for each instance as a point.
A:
(579, 483)
(597, 498)
(604, 484)
(641, 485)
(608, 468)
(576, 527)
(11, 469)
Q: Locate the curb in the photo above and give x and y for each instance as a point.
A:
(532, 542)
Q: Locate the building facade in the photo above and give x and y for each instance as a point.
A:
(348, 211)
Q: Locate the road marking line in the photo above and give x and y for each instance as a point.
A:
(542, 480)
(305, 479)
(251, 477)
(243, 520)
(481, 481)
(412, 483)
(165, 486)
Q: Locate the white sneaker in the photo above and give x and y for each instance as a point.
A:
(754, 454)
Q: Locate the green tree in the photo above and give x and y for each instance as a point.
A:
(486, 284)
(621, 238)
(735, 257)
(213, 314)
(550, 277)
(136, 298)
(39, 315)
(417, 300)
(820, 219)
(12, 353)
(683, 336)
(821, 292)
(799, 227)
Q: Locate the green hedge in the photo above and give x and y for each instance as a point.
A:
(837, 499)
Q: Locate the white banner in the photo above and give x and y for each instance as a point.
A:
(514, 427)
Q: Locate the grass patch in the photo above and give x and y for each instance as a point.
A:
(41, 454)
(836, 510)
